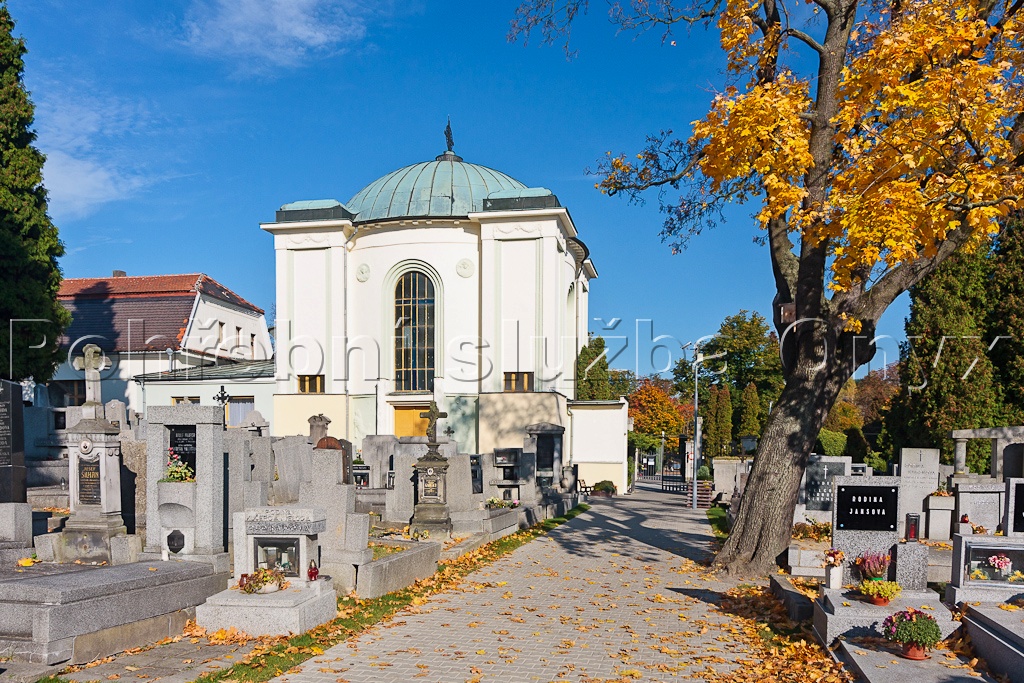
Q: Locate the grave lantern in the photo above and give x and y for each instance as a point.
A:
(913, 526)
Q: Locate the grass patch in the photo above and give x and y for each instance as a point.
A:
(354, 615)
(384, 549)
(719, 522)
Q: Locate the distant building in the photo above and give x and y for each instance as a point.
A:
(154, 323)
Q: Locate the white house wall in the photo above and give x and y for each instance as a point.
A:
(202, 333)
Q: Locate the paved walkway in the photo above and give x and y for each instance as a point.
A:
(613, 593)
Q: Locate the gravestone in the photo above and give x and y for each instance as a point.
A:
(12, 444)
(1013, 518)
(318, 428)
(431, 513)
(816, 492)
(919, 478)
(15, 513)
(197, 510)
(95, 531)
(865, 518)
(982, 503)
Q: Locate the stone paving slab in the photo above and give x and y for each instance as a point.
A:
(178, 662)
(879, 663)
(609, 593)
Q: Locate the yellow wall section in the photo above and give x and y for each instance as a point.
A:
(408, 421)
(593, 472)
(292, 413)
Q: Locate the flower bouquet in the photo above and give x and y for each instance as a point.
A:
(262, 581)
(915, 630)
(1001, 563)
(177, 469)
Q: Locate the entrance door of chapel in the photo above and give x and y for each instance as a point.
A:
(408, 421)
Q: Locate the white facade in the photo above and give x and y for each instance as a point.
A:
(510, 296)
(599, 441)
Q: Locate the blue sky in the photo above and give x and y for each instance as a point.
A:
(173, 129)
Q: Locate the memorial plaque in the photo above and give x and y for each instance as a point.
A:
(1018, 508)
(430, 488)
(819, 484)
(89, 482)
(183, 443)
(505, 457)
(867, 508)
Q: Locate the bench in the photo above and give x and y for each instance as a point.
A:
(582, 487)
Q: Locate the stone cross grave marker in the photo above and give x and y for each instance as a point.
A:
(93, 361)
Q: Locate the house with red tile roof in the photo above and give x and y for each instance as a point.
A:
(154, 323)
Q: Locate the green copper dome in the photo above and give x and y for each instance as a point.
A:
(447, 186)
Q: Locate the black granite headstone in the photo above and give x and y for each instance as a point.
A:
(183, 443)
(867, 508)
(819, 484)
(12, 444)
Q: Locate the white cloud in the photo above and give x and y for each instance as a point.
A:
(88, 140)
(261, 33)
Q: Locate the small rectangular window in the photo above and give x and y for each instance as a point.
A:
(252, 346)
(238, 409)
(184, 400)
(311, 384)
(518, 381)
(220, 333)
(74, 392)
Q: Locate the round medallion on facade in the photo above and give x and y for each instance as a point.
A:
(464, 268)
(430, 470)
(85, 446)
(363, 272)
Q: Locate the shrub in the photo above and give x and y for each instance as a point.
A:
(912, 626)
(703, 473)
(830, 443)
(873, 565)
(881, 589)
(606, 486)
(857, 447)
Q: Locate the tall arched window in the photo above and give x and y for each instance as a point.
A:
(414, 333)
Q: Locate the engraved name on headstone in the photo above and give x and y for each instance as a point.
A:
(867, 508)
(183, 443)
(819, 484)
(6, 425)
(89, 482)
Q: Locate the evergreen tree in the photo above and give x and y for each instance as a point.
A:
(1006, 319)
(946, 371)
(29, 245)
(711, 428)
(724, 436)
(592, 381)
(750, 419)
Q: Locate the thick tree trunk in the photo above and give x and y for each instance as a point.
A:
(764, 518)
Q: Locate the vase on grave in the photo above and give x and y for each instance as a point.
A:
(834, 577)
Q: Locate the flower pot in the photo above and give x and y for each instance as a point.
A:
(833, 577)
(878, 600)
(914, 651)
(270, 588)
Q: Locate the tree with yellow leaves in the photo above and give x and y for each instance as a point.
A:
(902, 144)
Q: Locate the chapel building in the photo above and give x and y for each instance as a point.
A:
(443, 280)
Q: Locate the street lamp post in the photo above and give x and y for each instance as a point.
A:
(697, 359)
